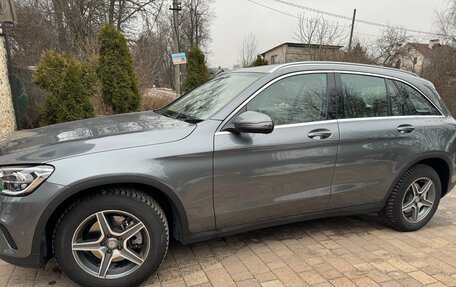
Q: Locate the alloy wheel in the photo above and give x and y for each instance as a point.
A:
(418, 200)
(110, 244)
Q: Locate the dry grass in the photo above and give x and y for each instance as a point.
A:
(156, 98)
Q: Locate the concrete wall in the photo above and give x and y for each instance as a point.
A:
(407, 62)
(7, 117)
(285, 54)
(279, 52)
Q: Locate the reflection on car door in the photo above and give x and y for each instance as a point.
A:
(288, 172)
(380, 131)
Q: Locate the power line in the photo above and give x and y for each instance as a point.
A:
(273, 9)
(282, 12)
(297, 17)
(349, 18)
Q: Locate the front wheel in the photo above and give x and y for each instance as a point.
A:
(114, 238)
(414, 200)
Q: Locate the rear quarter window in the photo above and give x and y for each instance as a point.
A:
(419, 105)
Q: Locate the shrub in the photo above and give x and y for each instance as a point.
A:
(119, 84)
(260, 61)
(49, 71)
(197, 72)
(69, 85)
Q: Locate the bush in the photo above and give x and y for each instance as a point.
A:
(260, 61)
(119, 84)
(69, 85)
(197, 72)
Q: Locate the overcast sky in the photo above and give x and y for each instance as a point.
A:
(237, 18)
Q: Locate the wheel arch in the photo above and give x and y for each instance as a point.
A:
(440, 163)
(163, 194)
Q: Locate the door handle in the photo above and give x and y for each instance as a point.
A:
(319, 134)
(405, 129)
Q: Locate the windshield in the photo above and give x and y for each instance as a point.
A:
(202, 102)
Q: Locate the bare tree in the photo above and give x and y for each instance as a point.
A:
(77, 22)
(33, 34)
(196, 17)
(248, 51)
(391, 46)
(151, 56)
(446, 21)
(321, 32)
(441, 71)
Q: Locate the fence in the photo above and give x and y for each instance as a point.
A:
(27, 98)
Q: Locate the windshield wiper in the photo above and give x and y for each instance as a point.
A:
(180, 116)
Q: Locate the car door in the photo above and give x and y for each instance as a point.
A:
(381, 133)
(259, 177)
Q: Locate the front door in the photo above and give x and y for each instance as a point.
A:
(260, 177)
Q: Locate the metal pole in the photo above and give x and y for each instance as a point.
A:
(352, 29)
(177, 73)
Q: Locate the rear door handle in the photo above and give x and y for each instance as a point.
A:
(405, 129)
(319, 134)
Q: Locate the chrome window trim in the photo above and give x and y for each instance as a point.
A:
(232, 114)
(291, 125)
(390, 118)
(305, 124)
(395, 79)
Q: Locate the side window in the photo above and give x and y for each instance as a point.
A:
(419, 104)
(399, 106)
(296, 99)
(364, 96)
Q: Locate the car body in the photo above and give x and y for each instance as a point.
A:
(212, 180)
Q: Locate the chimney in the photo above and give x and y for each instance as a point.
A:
(434, 43)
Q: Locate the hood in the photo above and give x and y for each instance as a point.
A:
(91, 135)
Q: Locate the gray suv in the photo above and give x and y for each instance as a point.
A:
(249, 149)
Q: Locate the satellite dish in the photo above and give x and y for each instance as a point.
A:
(7, 12)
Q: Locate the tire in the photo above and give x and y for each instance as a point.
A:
(408, 207)
(81, 239)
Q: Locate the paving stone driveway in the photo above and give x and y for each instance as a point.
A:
(348, 251)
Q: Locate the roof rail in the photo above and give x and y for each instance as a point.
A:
(283, 66)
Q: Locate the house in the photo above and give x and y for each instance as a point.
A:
(416, 56)
(296, 52)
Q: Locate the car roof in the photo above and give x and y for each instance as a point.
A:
(309, 65)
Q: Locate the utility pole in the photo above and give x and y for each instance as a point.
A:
(176, 7)
(351, 32)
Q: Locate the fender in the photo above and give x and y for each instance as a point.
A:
(424, 156)
(80, 186)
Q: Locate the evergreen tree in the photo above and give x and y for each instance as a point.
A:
(69, 85)
(119, 84)
(197, 72)
(260, 61)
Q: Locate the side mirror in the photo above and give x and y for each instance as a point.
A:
(253, 122)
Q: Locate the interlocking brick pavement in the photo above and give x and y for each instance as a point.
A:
(346, 251)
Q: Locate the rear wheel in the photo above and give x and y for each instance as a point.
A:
(414, 200)
(115, 238)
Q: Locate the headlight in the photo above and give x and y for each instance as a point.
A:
(22, 180)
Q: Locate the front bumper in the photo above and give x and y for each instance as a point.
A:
(22, 236)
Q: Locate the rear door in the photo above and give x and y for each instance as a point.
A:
(260, 177)
(381, 132)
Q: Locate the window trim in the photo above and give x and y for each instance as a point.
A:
(390, 94)
(340, 92)
(334, 89)
(341, 98)
(330, 87)
(409, 100)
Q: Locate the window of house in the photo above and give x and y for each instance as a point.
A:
(364, 96)
(274, 59)
(297, 99)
